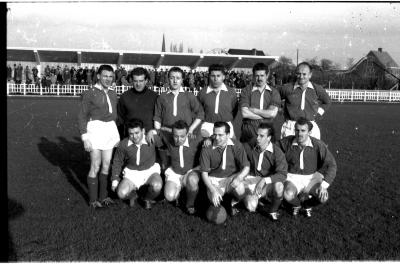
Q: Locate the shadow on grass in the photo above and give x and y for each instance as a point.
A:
(14, 210)
(71, 158)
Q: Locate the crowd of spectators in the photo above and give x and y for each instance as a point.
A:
(87, 76)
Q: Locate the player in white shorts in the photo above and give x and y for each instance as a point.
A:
(134, 160)
(99, 133)
(311, 168)
(268, 170)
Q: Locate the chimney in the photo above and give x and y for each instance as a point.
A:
(380, 49)
(254, 52)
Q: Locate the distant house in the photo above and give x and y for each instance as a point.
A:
(247, 52)
(377, 70)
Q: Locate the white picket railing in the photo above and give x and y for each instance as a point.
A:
(338, 95)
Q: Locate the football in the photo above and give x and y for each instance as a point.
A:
(216, 215)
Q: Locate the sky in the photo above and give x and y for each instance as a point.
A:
(336, 31)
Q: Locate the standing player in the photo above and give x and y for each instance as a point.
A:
(219, 102)
(184, 170)
(303, 99)
(268, 170)
(137, 103)
(258, 103)
(136, 158)
(176, 104)
(99, 133)
(223, 166)
(311, 168)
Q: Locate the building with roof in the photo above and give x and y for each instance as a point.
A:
(377, 70)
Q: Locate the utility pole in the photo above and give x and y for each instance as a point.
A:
(297, 57)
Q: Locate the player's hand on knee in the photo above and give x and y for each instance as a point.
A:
(216, 197)
(323, 194)
(114, 185)
(259, 187)
(87, 145)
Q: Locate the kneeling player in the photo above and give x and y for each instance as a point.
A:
(268, 170)
(140, 169)
(224, 165)
(182, 172)
(311, 168)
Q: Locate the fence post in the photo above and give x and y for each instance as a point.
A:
(352, 92)
(58, 89)
(8, 88)
(73, 88)
(390, 96)
(24, 88)
(340, 95)
(377, 96)
(40, 89)
(365, 95)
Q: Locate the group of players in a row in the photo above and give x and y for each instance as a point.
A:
(175, 141)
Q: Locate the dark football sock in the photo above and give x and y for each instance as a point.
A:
(191, 197)
(276, 202)
(92, 188)
(295, 202)
(312, 200)
(103, 186)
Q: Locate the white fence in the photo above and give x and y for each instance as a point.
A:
(338, 95)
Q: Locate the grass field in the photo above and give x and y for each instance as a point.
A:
(49, 219)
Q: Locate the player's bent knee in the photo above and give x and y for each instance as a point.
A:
(289, 194)
(240, 190)
(251, 202)
(278, 189)
(193, 181)
(123, 192)
(156, 182)
(170, 191)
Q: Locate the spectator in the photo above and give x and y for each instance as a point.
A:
(9, 73)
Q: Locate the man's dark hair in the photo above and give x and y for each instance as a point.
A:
(180, 125)
(140, 71)
(105, 67)
(220, 124)
(216, 67)
(304, 121)
(260, 66)
(268, 126)
(175, 69)
(135, 123)
(304, 63)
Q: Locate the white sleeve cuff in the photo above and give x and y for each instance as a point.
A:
(267, 180)
(153, 131)
(324, 185)
(321, 111)
(115, 183)
(84, 137)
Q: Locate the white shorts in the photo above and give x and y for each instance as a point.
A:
(221, 183)
(178, 179)
(103, 135)
(139, 178)
(209, 128)
(304, 183)
(288, 129)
